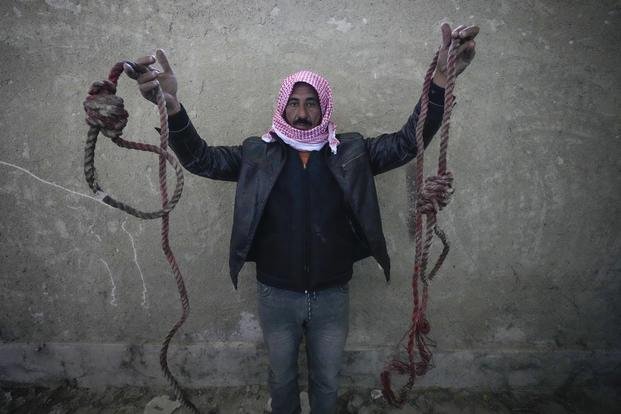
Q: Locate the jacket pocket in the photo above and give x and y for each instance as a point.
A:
(355, 160)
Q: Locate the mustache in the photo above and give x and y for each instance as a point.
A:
(302, 121)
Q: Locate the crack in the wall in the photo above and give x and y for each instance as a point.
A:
(22, 169)
(113, 292)
(151, 186)
(144, 285)
(131, 238)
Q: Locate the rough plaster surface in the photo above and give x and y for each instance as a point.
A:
(236, 364)
(534, 224)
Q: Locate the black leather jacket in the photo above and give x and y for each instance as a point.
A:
(255, 165)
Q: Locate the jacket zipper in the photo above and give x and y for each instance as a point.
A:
(307, 226)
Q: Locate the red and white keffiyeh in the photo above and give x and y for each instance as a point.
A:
(313, 139)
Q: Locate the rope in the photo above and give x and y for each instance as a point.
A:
(432, 195)
(106, 114)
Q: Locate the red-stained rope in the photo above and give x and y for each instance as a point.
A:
(432, 195)
(105, 113)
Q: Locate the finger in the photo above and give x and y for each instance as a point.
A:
(446, 34)
(145, 60)
(163, 60)
(141, 65)
(470, 44)
(469, 32)
(149, 86)
(148, 76)
(457, 30)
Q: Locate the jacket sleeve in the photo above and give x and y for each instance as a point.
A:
(393, 150)
(216, 162)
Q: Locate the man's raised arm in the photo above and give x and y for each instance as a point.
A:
(217, 162)
(393, 150)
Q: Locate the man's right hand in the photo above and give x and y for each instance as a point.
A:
(149, 78)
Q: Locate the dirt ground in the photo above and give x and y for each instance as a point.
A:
(66, 399)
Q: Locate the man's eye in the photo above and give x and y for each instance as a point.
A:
(292, 103)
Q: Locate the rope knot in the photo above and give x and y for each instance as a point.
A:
(435, 194)
(105, 110)
(424, 327)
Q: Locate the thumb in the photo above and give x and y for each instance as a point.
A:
(163, 60)
(446, 34)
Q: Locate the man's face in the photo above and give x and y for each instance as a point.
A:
(303, 110)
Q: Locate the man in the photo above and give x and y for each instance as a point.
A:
(305, 210)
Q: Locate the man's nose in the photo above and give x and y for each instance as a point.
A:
(302, 112)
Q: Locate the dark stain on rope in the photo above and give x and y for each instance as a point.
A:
(106, 114)
(430, 196)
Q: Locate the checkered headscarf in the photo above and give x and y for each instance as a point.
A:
(313, 139)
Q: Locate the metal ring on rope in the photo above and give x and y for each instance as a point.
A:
(106, 114)
(432, 195)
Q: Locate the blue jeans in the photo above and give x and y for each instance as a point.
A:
(285, 317)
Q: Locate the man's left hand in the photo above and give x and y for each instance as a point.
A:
(464, 36)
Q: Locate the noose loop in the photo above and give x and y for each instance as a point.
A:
(106, 114)
(432, 195)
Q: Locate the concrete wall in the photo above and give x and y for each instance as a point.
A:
(529, 295)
